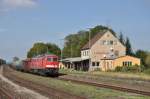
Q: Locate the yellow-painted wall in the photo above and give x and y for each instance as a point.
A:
(61, 65)
(119, 61)
(107, 65)
(111, 64)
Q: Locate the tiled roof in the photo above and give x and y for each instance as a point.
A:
(93, 40)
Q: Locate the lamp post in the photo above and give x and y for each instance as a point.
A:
(89, 45)
(61, 48)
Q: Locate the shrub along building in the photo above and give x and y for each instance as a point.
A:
(104, 51)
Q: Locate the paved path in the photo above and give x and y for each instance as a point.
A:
(22, 92)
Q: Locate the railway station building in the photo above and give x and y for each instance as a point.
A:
(104, 51)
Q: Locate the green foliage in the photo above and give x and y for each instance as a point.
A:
(142, 55)
(147, 60)
(129, 50)
(118, 69)
(74, 42)
(42, 48)
(97, 69)
(15, 59)
(134, 68)
(147, 71)
(121, 39)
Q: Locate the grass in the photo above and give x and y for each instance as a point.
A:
(138, 81)
(129, 75)
(90, 92)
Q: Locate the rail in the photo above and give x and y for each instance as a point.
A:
(107, 86)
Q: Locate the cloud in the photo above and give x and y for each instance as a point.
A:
(2, 30)
(19, 3)
(6, 5)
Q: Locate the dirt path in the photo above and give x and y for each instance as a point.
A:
(20, 92)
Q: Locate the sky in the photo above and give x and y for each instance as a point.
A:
(24, 22)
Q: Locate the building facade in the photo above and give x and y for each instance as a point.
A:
(111, 64)
(104, 51)
(103, 45)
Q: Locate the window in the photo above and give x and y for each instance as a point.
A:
(111, 42)
(97, 63)
(127, 63)
(116, 53)
(93, 63)
(130, 63)
(49, 59)
(54, 59)
(123, 64)
(87, 53)
(104, 42)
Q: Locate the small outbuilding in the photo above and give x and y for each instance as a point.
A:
(111, 64)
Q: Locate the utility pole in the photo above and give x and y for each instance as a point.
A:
(48, 50)
(71, 49)
(61, 49)
(89, 45)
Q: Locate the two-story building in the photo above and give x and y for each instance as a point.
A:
(102, 45)
(101, 52)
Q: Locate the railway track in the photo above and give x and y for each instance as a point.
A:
(43, 89)
(106, 86)
(4, 94)
(124, 89)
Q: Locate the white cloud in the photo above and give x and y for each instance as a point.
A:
(6, 5)
(18, 3)
(2, 30)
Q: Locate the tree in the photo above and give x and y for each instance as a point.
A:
(147, 61)
(42, 48)
(121, 38)
(74, 42)
(129, 50)
(15, 59)
(53, 48)
(142, 55)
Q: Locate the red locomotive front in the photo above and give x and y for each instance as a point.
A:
(51, 64)
(43, 64)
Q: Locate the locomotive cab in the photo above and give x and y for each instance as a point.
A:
(52, 64)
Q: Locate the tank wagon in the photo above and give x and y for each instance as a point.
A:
(2, 61)
(44, 64)
(18, 65)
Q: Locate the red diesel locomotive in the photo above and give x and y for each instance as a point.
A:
(45, 64)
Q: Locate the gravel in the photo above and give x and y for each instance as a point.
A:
(19, 92)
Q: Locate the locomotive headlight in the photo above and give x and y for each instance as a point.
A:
(49, 65)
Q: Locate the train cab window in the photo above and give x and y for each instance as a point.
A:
(54, 59)
(49, 59)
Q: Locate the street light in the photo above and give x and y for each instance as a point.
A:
(89, 44)
(61, 48)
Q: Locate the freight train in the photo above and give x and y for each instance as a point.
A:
(44, 65)
(2, 61)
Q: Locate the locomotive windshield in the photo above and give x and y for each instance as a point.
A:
(49, 59)
(55, 59)
(52, 59)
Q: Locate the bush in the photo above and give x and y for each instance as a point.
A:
(118, 69)
(147, 71)
(134, 68)
(97, 69)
